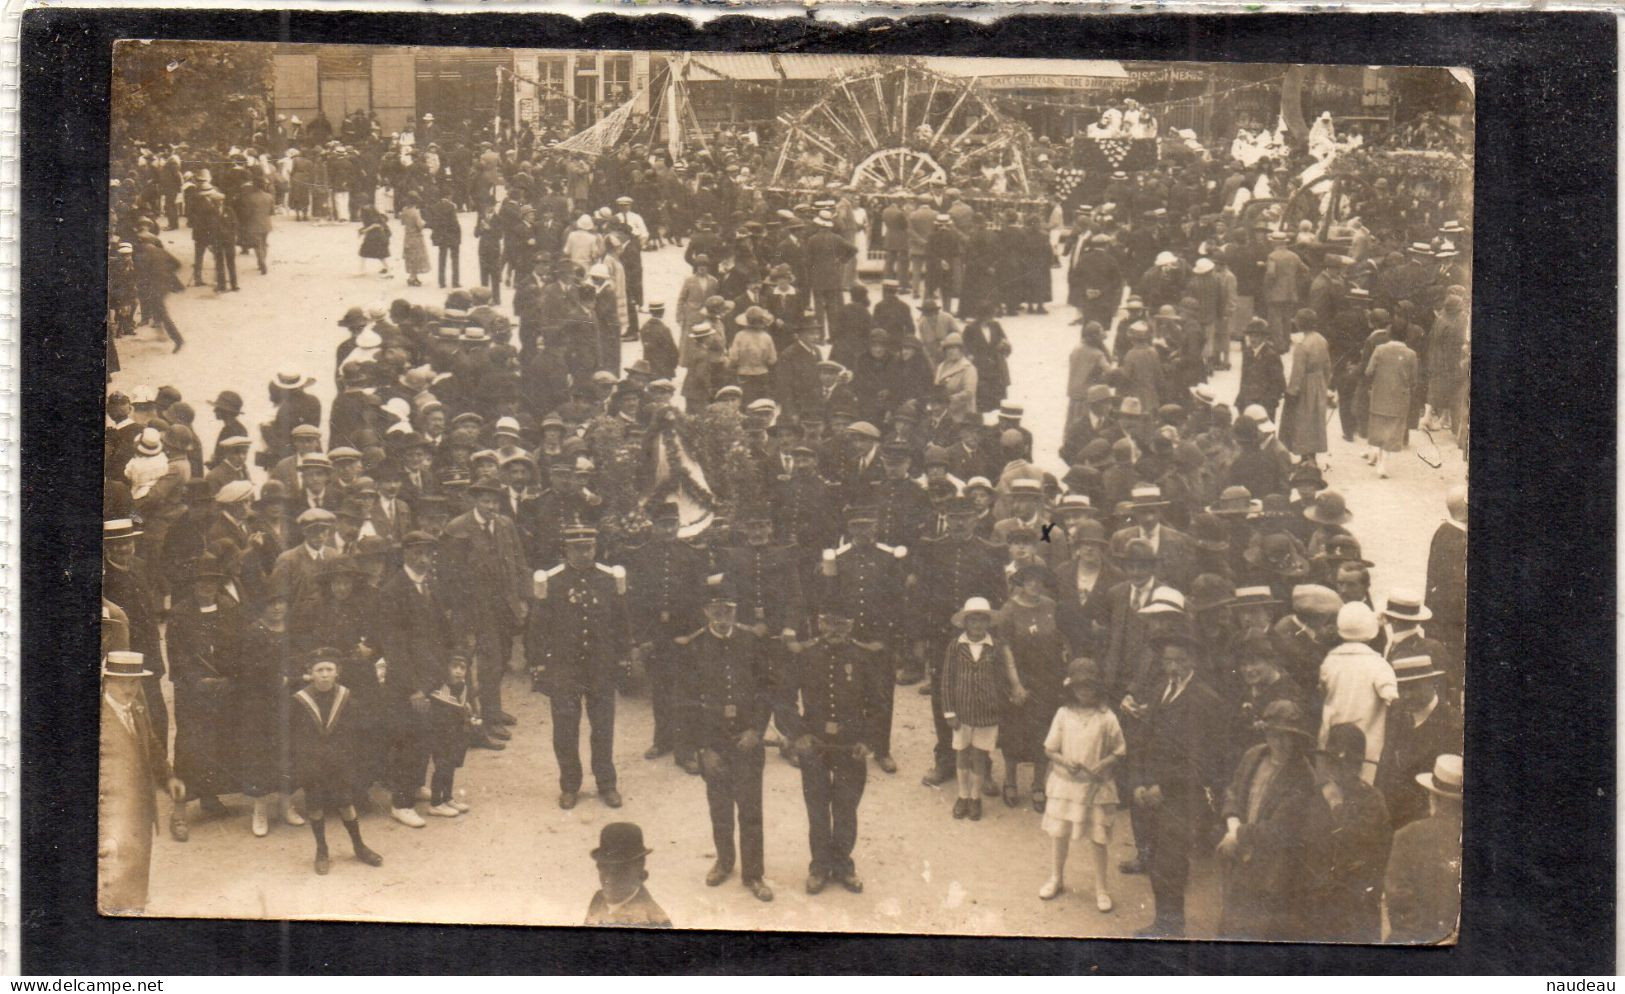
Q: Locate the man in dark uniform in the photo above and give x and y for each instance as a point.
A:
(902, 504)
(835, 721)
(960, 566)
(729, 702)
(867, 580)
(767, 579)
(581, 641)
(666, 577)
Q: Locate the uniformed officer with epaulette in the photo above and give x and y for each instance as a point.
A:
(834, 723)
(728, 696)
(867, 579)
(581, 639)
(666, 577)
(960, 566)
(767, 579)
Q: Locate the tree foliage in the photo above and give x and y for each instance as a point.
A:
(197, 92)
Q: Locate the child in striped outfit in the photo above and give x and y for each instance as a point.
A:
(972, 698)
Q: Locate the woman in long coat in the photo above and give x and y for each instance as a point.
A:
(987, 346)
(691, 308)
(1267, 809)
(1026, 623)
(1392, 375)
(1304, 418)
(957, 376)
(1444, 359)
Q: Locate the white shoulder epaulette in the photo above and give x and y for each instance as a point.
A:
(555, 571)
(607, 569)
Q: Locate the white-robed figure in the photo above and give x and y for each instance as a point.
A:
(673, 474)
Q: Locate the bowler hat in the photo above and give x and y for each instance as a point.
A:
(228, 400)
(620, 842)
(1179, 634)
(1209, 591)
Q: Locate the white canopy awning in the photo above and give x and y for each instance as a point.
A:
(996, 73)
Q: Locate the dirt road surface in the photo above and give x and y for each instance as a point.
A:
(516, 857)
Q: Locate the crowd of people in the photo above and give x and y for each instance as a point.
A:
(794, 502)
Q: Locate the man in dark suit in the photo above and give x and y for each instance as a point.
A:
(827, 253)
(863, 469)
(580, 642)
(1263, 378)
(797, 383)
(486, 585)
(233, 464)
(1176, 553)
(1421, 727)
(416, 642)
(1178, 765)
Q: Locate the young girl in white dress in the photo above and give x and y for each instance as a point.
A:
(1084, 743)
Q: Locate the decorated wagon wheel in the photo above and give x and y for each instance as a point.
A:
(902, 169)
(899, 128)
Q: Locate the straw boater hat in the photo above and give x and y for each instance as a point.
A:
(125, 664)
(115, 529)
(1412, 668)
(1446, 778)
(1406, 605)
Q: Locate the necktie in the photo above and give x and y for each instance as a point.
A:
(1139, 598)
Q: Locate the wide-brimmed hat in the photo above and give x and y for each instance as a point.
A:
(1209, 591)
(620, 842)
(1446, 778)
(973, 605)
(1406, 605)
(125, 664)
(1256, 596)
(1164, 600)
(1329, 508)
(290, 379)
(1286, 716)
(1147, 496)
(1235, 501)
(1091, 532)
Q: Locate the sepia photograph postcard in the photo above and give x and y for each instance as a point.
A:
(786, 491)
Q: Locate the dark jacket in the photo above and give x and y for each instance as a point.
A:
(1267, 888)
